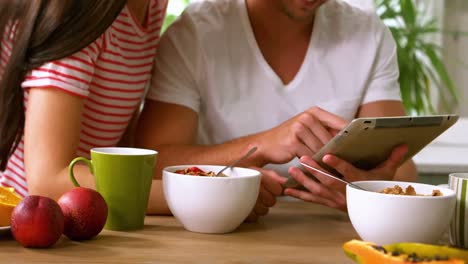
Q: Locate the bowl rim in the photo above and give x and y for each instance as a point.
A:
(451, 193)
(255, 173)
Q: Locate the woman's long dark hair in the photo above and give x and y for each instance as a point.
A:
(45, 30)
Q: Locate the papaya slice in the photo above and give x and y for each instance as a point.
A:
(369, 253)
(428, 250)
(8, 200)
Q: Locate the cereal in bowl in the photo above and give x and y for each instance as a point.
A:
(397, 190)
(195, 171)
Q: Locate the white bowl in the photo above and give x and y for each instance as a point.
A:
(385, 218)
(211, 204)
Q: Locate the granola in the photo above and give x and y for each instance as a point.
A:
(397, 190)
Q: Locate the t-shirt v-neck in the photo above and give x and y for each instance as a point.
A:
(255, 49)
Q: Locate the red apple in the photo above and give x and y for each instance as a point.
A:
(85, 212)
(37, 222)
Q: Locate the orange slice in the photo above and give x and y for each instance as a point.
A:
(8, 200)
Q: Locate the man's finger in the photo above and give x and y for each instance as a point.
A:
(271, 181)
(260, 209)
(252, 217)
(313, 127)
(328, 119)
(343, 167)
(312, 186)
(309, 197)
(266, 197)
(309, 139)
(396, 157)
(328, 181)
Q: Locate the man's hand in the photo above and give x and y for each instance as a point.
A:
(332, 193)
(270, 188)
(301, 135)
(385, 171)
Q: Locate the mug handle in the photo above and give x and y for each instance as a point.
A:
(88, 163)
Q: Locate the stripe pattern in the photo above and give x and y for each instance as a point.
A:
(5, 46)
(458, 231)
(110, 75)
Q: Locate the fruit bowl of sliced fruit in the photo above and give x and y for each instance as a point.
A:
(365, 252)
(206, 203)
(8, 200)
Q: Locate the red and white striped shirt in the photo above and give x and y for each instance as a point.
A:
(110, 75)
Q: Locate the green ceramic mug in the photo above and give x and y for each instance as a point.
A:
(123, 176)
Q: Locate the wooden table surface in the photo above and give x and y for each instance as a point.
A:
(293, 232)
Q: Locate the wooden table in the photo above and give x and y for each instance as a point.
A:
(293, 232)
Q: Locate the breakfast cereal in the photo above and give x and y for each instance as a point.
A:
(397, 190)
(195, 171)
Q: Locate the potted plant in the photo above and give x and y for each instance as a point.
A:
(422, 70)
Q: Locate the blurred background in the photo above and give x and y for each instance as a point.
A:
(432, 42)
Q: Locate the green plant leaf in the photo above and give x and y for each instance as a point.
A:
(170, 18)
(168, 21)
(408, 12)
(441, 70)
(443, 101)
(423, 74)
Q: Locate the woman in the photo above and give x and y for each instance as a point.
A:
(72, 75)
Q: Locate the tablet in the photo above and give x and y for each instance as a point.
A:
(367, 142)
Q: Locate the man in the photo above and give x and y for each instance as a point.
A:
(282, 75)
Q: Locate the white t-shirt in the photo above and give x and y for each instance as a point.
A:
(209, 61)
